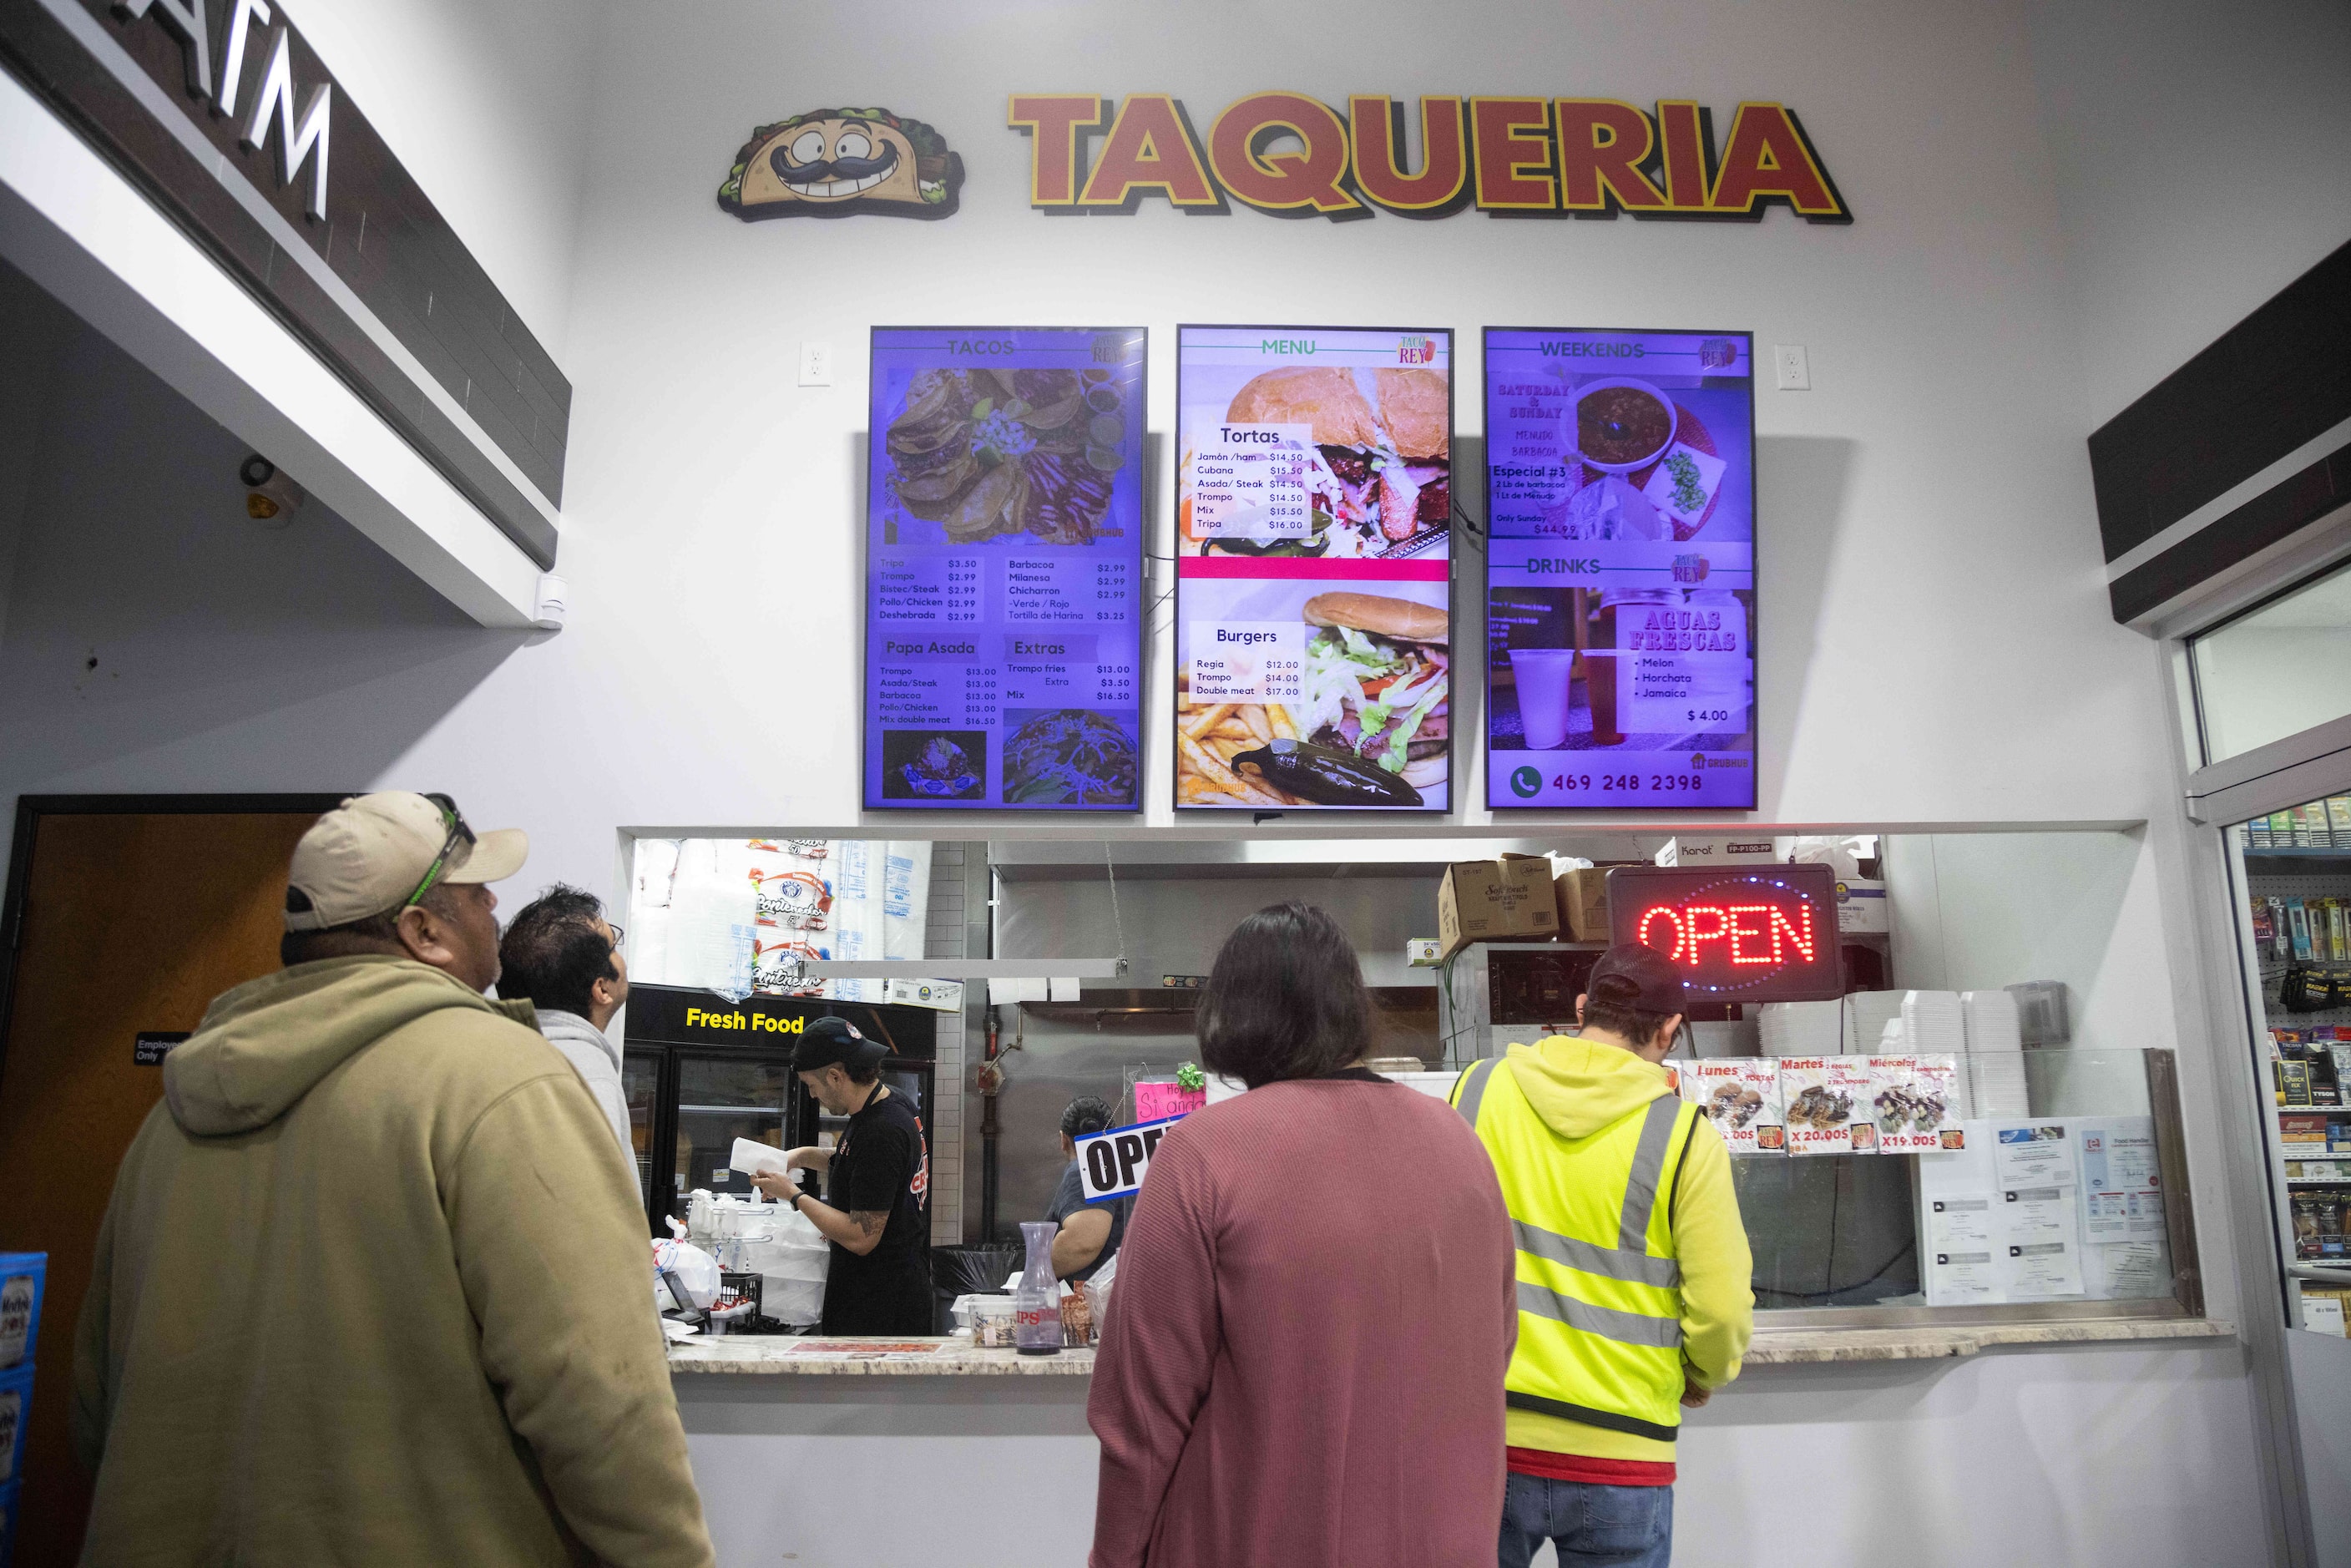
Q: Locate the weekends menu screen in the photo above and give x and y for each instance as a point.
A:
(1620, 575)
(1004, 552)
(1313, 507)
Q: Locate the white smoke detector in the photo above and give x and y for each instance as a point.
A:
(554, 602)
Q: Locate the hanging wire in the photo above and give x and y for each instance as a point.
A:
(1118, 922)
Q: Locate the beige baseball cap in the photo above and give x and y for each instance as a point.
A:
(368, 855)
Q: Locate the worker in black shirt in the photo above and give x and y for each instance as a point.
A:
(877, 1191)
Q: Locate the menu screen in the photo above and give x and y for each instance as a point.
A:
(1313, 586)
(1004, 551)
(1620, 576)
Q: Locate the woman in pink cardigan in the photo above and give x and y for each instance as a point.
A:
(1315, 1304)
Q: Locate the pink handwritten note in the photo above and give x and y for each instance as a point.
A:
(1154, 1101)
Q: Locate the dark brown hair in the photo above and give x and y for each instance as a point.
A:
(1286, 999)
(1607, 1006)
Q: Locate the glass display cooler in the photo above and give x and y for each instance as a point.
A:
(2293, 875)
(701, 1071)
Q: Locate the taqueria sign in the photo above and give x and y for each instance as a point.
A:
(1295, 156)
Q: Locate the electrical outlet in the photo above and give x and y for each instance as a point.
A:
(816, 363)
(1788, 363)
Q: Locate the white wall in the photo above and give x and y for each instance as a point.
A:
(487, 104)
(2202, 160)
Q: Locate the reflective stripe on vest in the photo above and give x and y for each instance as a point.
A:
(1473, 1090)
(1600, 1326)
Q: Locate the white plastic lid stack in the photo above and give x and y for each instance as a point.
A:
(1991, 1022)
(1865, 1018)
(1933, 1022)
(1801, 1029)
(1892, 1041)
(1996, 1084)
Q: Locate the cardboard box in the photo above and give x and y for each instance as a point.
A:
(1861, 905)
(1743, 849)
(1583, 898)
(1508, 899)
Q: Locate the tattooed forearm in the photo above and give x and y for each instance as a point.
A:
(869, 1221)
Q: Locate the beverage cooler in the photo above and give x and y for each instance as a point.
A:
(701, 1071)
(2295, 935)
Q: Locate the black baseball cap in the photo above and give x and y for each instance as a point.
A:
(826, 1041)
(1655, 986)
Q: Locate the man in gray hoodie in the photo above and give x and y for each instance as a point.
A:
(561, 956)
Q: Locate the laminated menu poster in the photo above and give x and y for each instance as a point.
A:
(1313, 586)
(1741, 1095)
(1004, 569)
(1825, 1101)
(1620, 570)
(1912, 1102)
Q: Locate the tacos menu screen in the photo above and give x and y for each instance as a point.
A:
(1004, 552)
(1620, 571)
(1313, 588)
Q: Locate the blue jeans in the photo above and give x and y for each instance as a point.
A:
(1594, 1526)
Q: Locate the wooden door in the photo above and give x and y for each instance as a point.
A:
(131, 922)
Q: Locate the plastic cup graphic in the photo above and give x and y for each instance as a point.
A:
(1542, 675)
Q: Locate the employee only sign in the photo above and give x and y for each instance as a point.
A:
(1111, 1164)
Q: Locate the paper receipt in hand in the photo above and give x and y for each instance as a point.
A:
(757, 1159)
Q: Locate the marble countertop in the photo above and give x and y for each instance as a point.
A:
(766, 1355)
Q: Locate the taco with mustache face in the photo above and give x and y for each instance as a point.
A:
(832, 163)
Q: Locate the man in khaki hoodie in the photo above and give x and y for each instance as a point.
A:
(372, 1288)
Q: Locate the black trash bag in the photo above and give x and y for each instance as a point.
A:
(968, 1271)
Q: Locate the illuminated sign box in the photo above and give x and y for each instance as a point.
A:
(1738, 934)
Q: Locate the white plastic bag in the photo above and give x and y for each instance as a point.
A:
(696, 1271)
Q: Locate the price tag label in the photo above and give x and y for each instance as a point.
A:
(1250, 481)
(1247, 661)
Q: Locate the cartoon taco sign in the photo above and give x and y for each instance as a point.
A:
(831, 162)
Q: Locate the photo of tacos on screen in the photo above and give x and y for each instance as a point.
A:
(988, 453)
(1381, 470)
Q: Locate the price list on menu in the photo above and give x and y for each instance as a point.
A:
(1004, 565)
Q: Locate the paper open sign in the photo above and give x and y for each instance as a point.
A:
(1112, 1164)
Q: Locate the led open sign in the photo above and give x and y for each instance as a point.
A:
(1738, 933)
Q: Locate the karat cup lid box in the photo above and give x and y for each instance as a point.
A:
(1506, 900)
(22, 1275)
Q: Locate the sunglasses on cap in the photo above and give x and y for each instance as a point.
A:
(459, 833)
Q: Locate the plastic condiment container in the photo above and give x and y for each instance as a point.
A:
(991, 1322)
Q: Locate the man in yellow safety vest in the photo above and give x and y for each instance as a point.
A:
(1633, 1268)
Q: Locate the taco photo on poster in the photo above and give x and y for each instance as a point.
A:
(833, 162)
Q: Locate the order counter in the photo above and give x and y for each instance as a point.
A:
(819, 1453)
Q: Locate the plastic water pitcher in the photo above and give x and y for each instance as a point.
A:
(1037, 1305)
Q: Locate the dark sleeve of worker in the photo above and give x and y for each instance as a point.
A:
(883, 1165)
(1158, 1348)
(551, 1249)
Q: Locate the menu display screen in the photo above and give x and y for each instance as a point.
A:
(1313, 579)
(1620, 577)
(1004, 575)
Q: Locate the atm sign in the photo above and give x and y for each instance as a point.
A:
(1738, 933)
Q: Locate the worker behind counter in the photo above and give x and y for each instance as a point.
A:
(877, 1188)
(1091, 1232)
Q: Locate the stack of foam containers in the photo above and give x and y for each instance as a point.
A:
(1995, 1054)
(23, 1277)
(1934, 1023)
(1866, 1017)
(1801, 1029)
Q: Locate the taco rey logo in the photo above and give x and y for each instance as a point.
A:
(831, 162)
